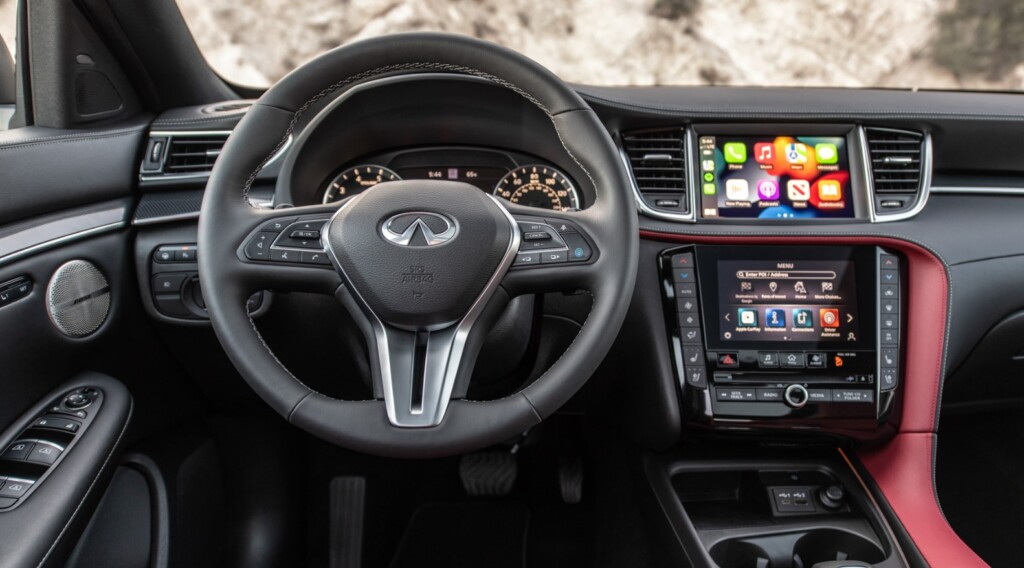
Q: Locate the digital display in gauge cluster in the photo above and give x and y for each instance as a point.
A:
(774, 177)
(534, 185)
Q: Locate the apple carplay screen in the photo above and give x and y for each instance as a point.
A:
(800, 298)
(774, 177)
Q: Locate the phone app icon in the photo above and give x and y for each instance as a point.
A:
(767, 190)
(737, 189)
(735, 152)
(748, 317)
(764, 152)
(830, 190)
(796, 153)
(798, 189)
(829, 317)
(775, 317)
(710, 189)
(826, 153)
(803, 318)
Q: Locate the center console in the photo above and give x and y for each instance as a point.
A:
(786, 337)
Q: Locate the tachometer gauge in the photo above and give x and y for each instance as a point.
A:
(538, 186)
(357, 179)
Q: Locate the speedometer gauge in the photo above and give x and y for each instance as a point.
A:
(538, 186)
(357, 179)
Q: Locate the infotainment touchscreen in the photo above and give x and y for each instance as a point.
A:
(783, 300)
(774, 177)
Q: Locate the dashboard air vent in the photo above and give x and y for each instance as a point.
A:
(193, 154)
(657, 159)
(897, 168)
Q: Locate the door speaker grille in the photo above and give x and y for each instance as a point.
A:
(78, 298)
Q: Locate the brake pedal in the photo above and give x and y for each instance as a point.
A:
(488, 474)
(348, 500)
(570, 479)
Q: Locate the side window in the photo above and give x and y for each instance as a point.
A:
(8, 12)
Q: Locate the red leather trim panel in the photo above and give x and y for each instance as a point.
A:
(902, 468)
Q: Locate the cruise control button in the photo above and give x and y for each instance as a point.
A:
(168, 283)
(17, 451)
(525, 258)
(536, 236)
(258, 247)
(44, 453)
(554, 256)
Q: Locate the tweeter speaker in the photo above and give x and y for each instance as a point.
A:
(78, 298)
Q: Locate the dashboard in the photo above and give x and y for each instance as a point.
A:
(515, 177)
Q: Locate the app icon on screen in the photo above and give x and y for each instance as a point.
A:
(826, 153)
(830, 190)
(803, 318)
(748, 317)
(775, 317)
(735, 152)
(798, 189)
(737, 189)
(710, 189)
(796, 153)
(764, 152)
(708, 165)
(767, 190)
(829, 317)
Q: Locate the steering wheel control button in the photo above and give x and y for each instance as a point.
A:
(15, 488)
(304, 234)
(527, 258)
(277, 225)
(258, 247)
(301, 235)
(536, 236)
(168, 283)
(579, 250)
(554, 256)
(18, 451)
(796, 396)
(44, 453)
(284, 255)
(315, 257)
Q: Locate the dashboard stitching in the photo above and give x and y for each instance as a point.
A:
(68, 138)
(705, 113)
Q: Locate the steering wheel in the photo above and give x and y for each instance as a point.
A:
(424, 266)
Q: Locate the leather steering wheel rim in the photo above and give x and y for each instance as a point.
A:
(227, 218)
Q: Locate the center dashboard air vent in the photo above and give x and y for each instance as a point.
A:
(657, 160)
(899, 169)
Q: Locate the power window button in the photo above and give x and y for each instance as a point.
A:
(18, 451)
(44, 453)
(15, 488)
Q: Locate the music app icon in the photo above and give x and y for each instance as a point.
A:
(764, 152)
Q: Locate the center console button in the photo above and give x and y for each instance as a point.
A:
(791, 360)
(888, 379)
(819, 395)
(890, 357)
(691, 335)
(889, 261)
(735, 395)
(695, 376)
(686, 291)
(850, 395)
(682, 260)
(683, 275)
(686, 305)
(816, 360)
(890, 291)
(689, 319)
(796, 396)
(693, 355)
(890, 337)
(728, 360)
(772, 395)
(767, 359)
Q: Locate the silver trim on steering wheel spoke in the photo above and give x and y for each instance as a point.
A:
(418, 369)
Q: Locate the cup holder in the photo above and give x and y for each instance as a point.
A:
(828, 545)
(740, 554)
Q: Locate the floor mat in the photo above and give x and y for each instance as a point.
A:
(465, 534)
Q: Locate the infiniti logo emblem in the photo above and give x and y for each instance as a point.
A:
(419, 229)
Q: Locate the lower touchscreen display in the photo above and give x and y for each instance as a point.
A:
(806, 301)
(774, 177)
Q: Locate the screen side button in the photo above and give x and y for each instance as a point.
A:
(691, 335)
(693, 355)
(888, 379)
(696, 376)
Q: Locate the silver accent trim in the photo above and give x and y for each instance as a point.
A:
(639, 198)
(404, 238)
(926, 176)
(971, 190)
(445, 347)
(59, 232)
(155, 177)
